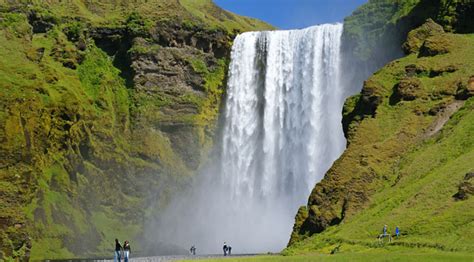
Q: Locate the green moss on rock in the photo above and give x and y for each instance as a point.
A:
(417, 37)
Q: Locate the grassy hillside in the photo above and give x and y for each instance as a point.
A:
(202, 13)
(409, 156)
(107, 108)
(64, 133)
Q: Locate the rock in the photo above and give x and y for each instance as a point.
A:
(41, 23)
(357, 108)
(442, 70)
(371, 97)
(408, 89)
(299, 228)
(414, 70)
(216, 42)
(465, 188)
(437, 109)
(417, 37)
(165, 69)
(464, 90)
(469, 176)
(435, 45)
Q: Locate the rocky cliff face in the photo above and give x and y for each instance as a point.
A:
(104, 114)
(404, 127)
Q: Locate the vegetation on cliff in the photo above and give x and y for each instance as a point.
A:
(107, 106)
(201, 13)
(409, 156)
(375, 32)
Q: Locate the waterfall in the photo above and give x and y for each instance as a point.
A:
(283, 113)
(282, 131)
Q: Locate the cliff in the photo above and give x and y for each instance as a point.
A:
(409, 132)
(375, 32)
(106, 108)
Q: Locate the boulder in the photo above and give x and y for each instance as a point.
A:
(371, 97)
(408, 89)
(435, 45)
(417, 37)
(465, 188)
(437, 109)
(41, 23)
(443, 70)
(414, 70)
(465, 90)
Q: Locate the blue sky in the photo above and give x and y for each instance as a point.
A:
(291, 14)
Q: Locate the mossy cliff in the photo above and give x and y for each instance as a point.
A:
(107, 107)
(409, 159)
(374, 33)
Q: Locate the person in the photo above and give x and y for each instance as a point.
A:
(126, 251)
(229, 250)
(118, 250)
(397, 232)
(385, 234)
(224, 248)
(192, 250)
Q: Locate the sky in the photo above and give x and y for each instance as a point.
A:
(293, 14)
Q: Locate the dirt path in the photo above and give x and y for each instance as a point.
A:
(443, 117)
(175, 258)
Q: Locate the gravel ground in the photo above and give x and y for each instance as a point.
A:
(174, 258)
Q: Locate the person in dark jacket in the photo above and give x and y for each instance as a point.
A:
(126, 251)
(118, 251)
(224, 248)
(192, 250)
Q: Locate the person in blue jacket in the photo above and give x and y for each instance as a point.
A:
(397, 232)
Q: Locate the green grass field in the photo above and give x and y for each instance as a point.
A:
(379, 255)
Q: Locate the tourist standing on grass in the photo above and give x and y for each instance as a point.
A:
(397, 232)
(126, 251)
(118, 250)
(384, 234)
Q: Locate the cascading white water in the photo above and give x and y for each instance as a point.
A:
(282, 131)
(282, 124)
